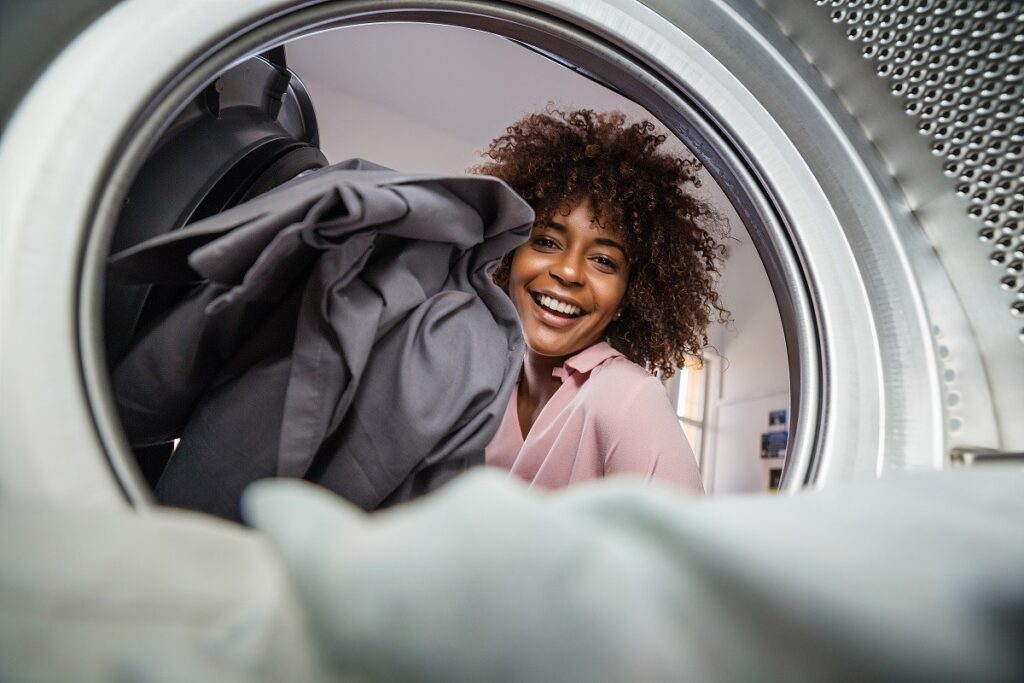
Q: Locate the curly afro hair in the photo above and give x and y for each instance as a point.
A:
(672, 238)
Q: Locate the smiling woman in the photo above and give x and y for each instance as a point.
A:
(616, 279)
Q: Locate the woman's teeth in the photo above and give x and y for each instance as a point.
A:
(558, 306)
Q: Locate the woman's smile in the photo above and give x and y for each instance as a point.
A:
(557, 306)
(568, 281)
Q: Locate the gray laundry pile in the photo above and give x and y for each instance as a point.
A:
(343, 328)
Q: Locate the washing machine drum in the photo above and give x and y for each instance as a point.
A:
(249, 131)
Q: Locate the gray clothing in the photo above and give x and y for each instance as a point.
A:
(347, 331)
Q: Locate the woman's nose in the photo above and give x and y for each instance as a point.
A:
(567, 270)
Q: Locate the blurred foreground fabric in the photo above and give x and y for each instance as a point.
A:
(914, 577)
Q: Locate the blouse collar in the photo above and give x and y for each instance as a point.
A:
(586, 360)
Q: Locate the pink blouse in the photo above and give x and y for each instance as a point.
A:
(609, 416)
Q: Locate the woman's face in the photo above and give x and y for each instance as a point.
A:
(567, 281)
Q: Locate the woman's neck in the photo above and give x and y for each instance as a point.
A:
(538, 380)
(536, 386)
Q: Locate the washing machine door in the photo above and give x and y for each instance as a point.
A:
(873, 155)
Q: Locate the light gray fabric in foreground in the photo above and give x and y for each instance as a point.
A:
(107, 597)
(916, 577)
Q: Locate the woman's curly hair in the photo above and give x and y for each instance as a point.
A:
(672, 238)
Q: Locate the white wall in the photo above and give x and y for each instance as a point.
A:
(357, 127)
(430, 98)
(754, 377)
(403, 86)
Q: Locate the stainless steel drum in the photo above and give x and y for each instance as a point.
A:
(872, 147)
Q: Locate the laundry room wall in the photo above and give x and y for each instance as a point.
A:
(430, 98)
(753, 375)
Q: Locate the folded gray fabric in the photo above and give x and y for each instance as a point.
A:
(347, 332)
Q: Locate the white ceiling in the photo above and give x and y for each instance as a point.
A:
(467, 83)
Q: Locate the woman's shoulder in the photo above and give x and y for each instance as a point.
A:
(631, 410)
(618, 368)
(623, 382)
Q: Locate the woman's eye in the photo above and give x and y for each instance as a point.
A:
(545, 242)
(605, 262)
